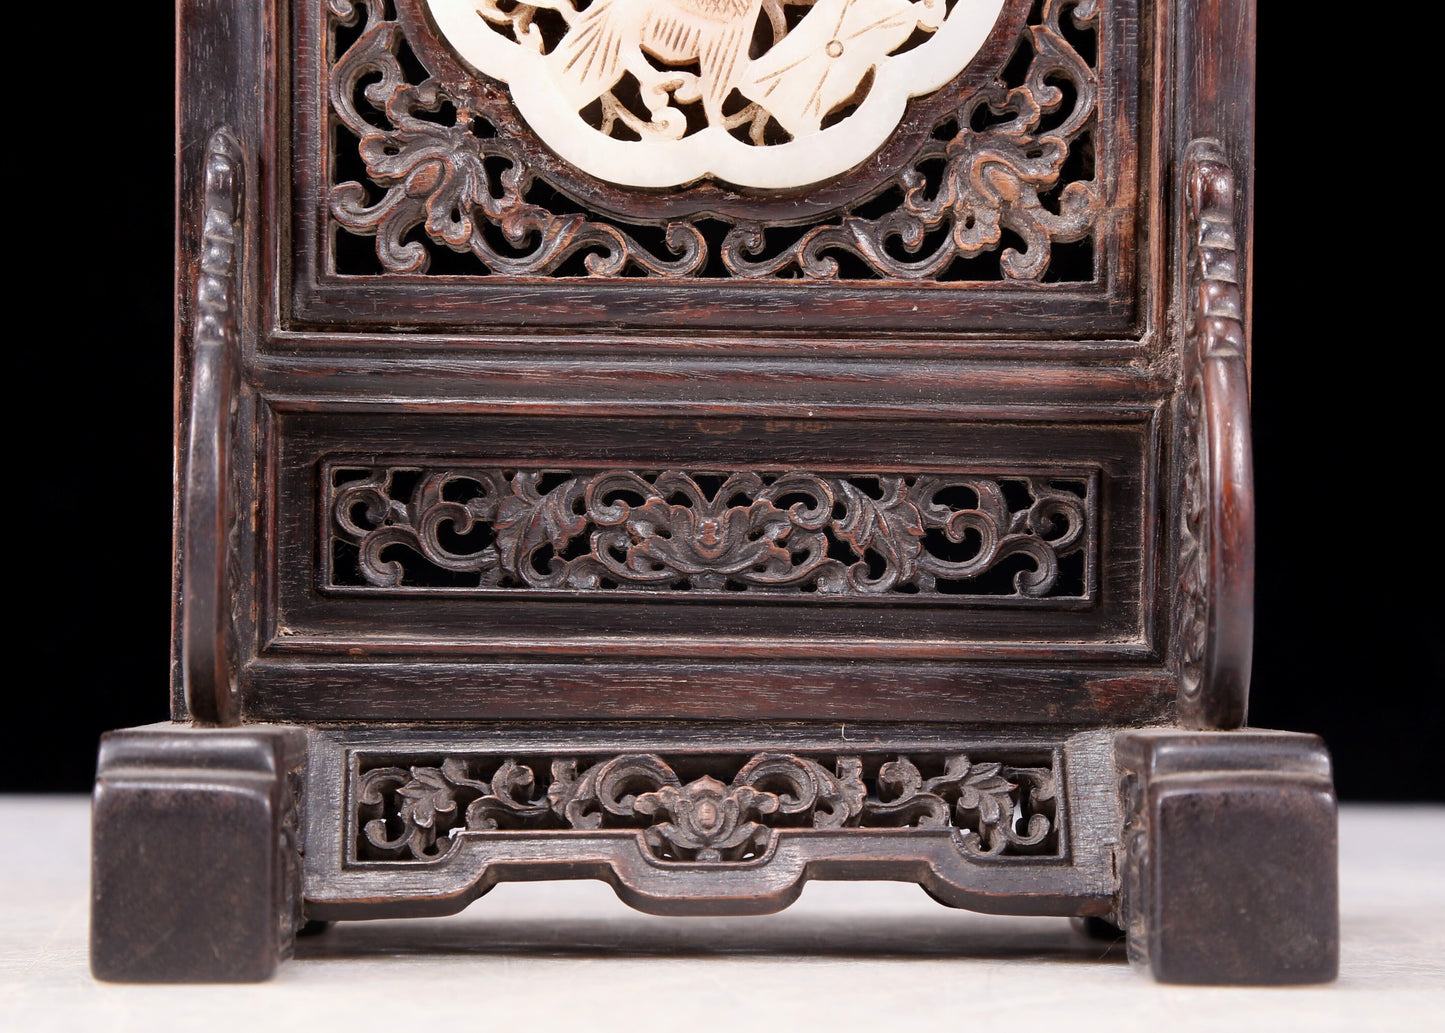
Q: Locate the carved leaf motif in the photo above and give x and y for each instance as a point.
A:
(804, 787)
(623, 529)
(900, 777)
(901, 797)
(454, 770)
(573, 797)
(987, 792)
(506, 798)
(607, 789)
(427, 795)
(890, 526)
(415, 799)
(984, 797)
(526, 520)
(429, 511)
(843, 802)
(460, 183)
(408, 811)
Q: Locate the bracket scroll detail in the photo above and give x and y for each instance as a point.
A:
(207, 505)
(1215, 598)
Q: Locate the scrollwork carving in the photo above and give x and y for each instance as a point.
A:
(1214, 609)
(722, 811)
(975, 797)
(991, 182)
(210, 541)
(1007, 173)
(740, 532)
(435, 176)
(759, 93)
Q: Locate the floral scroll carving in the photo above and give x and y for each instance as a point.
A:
(1006, 176)
(736, 533)
(691, 809)
(656, 93)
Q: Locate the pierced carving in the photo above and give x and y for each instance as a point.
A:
(938, 535)
(638, 92)
(1006, 175)
(967, 795)
(700, 809)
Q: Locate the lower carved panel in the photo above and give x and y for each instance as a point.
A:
(706, 809)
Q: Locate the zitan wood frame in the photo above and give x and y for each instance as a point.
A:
(982, 747)
(656, 311)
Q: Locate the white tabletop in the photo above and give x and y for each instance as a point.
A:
(530, 958)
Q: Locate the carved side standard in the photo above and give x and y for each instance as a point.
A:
(706, 522)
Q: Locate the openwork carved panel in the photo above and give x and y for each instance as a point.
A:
(705, 809)
(850, 63)
(990, 175)
(958, 536)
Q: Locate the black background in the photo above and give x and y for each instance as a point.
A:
(1346, 394)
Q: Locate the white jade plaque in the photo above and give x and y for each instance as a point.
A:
(736, 65)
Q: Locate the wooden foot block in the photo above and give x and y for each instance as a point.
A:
(1231, 870)
(195, 874)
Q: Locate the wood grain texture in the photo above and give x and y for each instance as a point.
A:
(1215, 599)
(196, 874)
(1230, 862)
(208, 498)
(708, 650)
(952, 535)
(1074, 879)
(433, 173)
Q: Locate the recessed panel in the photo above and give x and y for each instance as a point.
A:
(539, 536)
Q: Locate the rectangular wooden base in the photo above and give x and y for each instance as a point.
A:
(195, 874)
(211, 845)
(1232, 871)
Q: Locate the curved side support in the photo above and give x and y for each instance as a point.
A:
(206, 505)
(1214, 617)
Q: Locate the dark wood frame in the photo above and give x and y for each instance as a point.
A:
(322, 302)
(388, 744)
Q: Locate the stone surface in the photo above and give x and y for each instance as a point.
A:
(569, 956)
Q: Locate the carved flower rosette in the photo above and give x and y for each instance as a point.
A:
(731, 534)
(707, 810)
